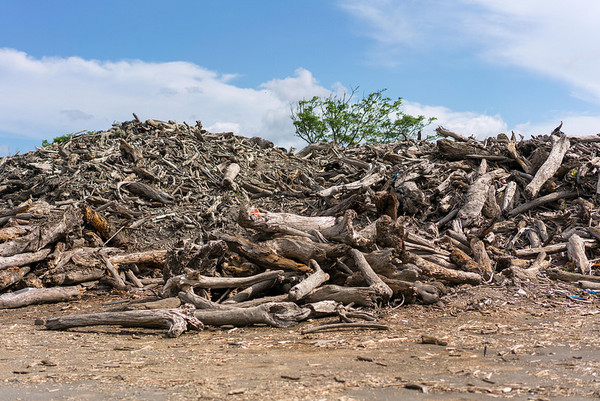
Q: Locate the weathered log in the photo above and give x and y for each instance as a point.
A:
(542, 200)
(482, 258)
(439, 272)
(12, 275)
(177, 321)
(508, 200)
(278, 222)
(372, 177)
(133, 279)
(373, 280)
(343, 231)
(554, 248)
(560, 146)
(576, 252)
(384, 262)
(311, 282)
(16, 210)
(309, 149)
(23, 258)
(562, 275)
(360, 296)
(118, 282)
(512, 151)
(283, 314)
(231, 171)
(81, 275)
(428, 294)
(447, 133)
(104, 228)
(129, 150)
(251, 291)
(303, 249)
(203, 259)
(453, 150)
(139, 188)
(588, 285)
(350, 325)
(189, 297)
(198, 281)
(476, 197)
(31, 296)
(40, 237)
(464, 261)
(7, 233)
(261, 255)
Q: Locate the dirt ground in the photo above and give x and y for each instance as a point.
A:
(529, 344)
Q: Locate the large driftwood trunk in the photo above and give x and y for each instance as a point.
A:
(372, 279)
(441, 273)
(282, 314)
(560, 146)
(30, 296)
(261, 255)
(177, 321)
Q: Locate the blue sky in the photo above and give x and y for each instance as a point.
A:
(480, 66)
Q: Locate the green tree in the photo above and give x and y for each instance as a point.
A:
(374, 118)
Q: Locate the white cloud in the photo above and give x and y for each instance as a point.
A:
(479, 126)
(47, 97)
(556, 38)
(575, 125)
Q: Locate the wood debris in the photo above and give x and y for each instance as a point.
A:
(251, 233)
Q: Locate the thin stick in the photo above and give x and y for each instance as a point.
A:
(362, 325)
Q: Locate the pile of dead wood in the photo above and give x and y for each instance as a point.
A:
(250, 233)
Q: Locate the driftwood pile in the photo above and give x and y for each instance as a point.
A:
(240, 232)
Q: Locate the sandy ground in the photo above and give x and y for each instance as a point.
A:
(532, 344)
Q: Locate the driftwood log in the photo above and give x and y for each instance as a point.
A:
(30, 296)
(177, 321)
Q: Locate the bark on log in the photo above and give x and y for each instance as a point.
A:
(554, 248)
(576, 252)
(40, 237)
(261, 255)
(23, 258)
(360, 296)
(139, 188)
(373, 280)
(30, 296)
(447, 133)
(439, 272)
(476, 197)
(282, 314)
(8, 233)
(177, 321)
(104, 228)
(562, 275)
(453, 150)
(482, 258)
(560, 146)
(251, 291)
(229, 175)
(311, 282)
(303, 249)
(542, 200)
(174, 284)
(371, 178)
(508, 200)
(12, 275)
